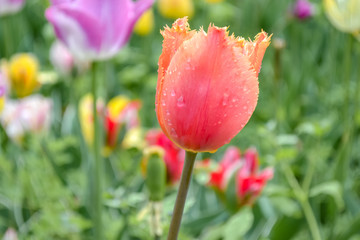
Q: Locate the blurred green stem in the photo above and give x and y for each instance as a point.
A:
(97, 164)
(309, 175)
(341, 166)
(6, 30)
(181, 196)
(302, 197)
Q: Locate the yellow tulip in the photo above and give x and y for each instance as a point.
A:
(86, 118)
(119, 111)
(145, 24)
(23, 74)
(134, 138)
(214, 1)
(344, 14)
(176, 8)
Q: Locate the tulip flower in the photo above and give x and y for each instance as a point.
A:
(173, 155)
(95, 29)
(23, 74)
(10, 6)
(26, 115)
(244, 170)
(176, 8)
(10, 234)
(303, 9)
(214, 1)
(145, 24)
(202, 104)
(344, 15)
(63, 61)
(119, 111)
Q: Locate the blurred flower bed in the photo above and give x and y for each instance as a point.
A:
(293, 172)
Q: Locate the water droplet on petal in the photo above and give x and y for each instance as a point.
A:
(225, 99)
(173, 132)
(173, 93)
(180, 102)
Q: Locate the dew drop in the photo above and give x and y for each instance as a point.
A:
(225, 99)
(245, 107)
(173, 132)
(173, 93)
(180, 102)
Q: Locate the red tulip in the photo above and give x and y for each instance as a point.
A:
(207, 85)
(228, 165)
(174, 156)
(248, 181)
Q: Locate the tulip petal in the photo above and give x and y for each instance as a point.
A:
(141, 6)
(256, 50)
(173, 38)
(223, 93)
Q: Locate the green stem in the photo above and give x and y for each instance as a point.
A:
(181, 196)
(304, 202)
(343, 158)
(6, 29)
(309, 175)
(97, 164)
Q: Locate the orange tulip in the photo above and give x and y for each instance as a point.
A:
(207, 86)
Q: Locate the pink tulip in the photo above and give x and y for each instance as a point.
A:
(10, 6)
(95, 29)
(249, 181)
(10, 234)
(303, 9)
(61, 58)
(207, 86)
(27, 115)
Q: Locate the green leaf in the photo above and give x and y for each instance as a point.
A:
(238, 225)
(332, 189)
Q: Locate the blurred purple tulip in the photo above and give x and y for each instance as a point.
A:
(10, 6)
(95, 29)
(303, 9)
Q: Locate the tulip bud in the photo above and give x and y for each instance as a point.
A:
(23, 74)
(155, 172)
(303, 9)
(173, 157)
(61, 58)
(10, 234)
(200, 104)
(145, 24)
